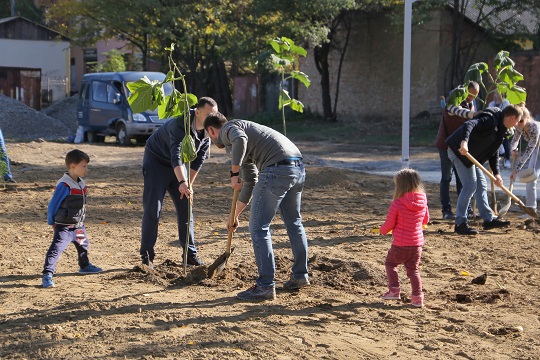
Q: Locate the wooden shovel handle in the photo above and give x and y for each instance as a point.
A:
(231, 219)
(493, 178)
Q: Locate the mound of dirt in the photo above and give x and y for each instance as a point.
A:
(65, 111)
(22, 123)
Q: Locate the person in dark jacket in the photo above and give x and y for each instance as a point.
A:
(452, 118)
(481, 137)
(66, 213)
(164, 171)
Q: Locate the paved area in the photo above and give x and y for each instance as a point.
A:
(386, 161)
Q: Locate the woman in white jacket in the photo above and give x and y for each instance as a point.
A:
(530, 130)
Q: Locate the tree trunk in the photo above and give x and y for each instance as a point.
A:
(321, 53)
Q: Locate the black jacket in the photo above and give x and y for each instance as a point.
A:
(484, 135)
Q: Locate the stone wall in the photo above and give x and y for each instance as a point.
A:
(372, 74)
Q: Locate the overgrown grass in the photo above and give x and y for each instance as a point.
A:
(380, 131)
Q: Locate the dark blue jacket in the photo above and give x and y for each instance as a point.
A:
(484, 135)
(164, 144)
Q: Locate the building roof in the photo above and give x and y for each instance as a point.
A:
(508, 18)
(20, 28)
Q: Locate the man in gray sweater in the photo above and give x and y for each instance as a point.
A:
(267, 167)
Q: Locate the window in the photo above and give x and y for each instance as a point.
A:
(99, 91)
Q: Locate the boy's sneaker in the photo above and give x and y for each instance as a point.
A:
(146, 261)
(392, 294)
(258, 293)
(447, 215)
(194, 260)
(294, 284)
(417, 300)
(495, 223)
(47, 281)
(525, 217)
(90, 269)
(465, 229)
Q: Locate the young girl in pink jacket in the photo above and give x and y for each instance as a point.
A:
(406, 217)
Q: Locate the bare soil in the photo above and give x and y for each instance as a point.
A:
(129, 311)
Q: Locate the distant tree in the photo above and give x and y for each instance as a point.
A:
(497, 18)
(113, 62)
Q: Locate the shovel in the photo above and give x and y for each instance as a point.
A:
(506, 207)
(217, 267)
(493, 196)
(526, 209)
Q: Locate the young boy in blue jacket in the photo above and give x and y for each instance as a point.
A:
(66, 213)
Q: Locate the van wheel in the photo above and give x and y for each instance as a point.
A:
(91, 136)
(121, 135)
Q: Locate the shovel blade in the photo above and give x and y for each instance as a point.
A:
(217, 267)
(528, 210)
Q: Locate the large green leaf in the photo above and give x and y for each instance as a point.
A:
(187, 150)
(144, 94)
(284, 98)
(297, 105)
(510, 76)
(302, 77)
(516, 95)
(293, 48)
(502, 60)
(280, 61)
(170, 106)
(457, 95)
(474, 73)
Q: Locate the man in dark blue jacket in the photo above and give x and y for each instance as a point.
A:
(163, 170)
(481, 137)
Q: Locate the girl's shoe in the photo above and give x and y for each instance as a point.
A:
(392, 294)
(417, 300)
(47, 281)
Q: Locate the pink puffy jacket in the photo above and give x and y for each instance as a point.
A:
(406, 218)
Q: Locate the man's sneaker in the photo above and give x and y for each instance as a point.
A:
(294, 284)
(90, 269)
(392, 294)
(194, 260)
(464, 229)
(417, 300)
(507, 164)
(47, 281)
(525, 217)
(495, 223)
(146, 261)
(447, 215)
(10, 180)
(258, 293)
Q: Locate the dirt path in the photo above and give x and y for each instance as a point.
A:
(126, 313)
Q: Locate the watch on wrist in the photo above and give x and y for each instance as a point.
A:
(235, 173)
(181, 182)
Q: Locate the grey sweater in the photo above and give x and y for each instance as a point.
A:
(253, 147)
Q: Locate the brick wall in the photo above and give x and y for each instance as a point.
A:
(528, 63)
(372, 74)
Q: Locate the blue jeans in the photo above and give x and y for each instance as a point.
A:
(531, 186)
(4, 158)
(474, 183)
(446, 178)
(278, 187)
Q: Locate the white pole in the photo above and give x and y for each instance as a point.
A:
(405, 116)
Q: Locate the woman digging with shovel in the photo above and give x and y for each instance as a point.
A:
(479, 139)
(530, 130)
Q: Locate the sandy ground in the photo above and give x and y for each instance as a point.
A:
(126, 312)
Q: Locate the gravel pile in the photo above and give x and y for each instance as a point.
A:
(65, 111)
(22, 123)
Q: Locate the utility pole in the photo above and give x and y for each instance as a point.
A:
(406, 84)
(12, 7)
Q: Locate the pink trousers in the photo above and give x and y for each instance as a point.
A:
(409, 256)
